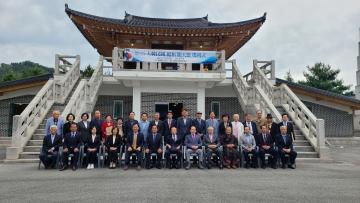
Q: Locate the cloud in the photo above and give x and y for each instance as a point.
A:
(296, 33)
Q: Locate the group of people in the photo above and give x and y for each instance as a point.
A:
(210, 142)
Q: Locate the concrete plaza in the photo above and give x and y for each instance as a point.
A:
(337, 180)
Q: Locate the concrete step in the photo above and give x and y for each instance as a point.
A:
(40, 131)
(297, 132)
(5, 138)
(300, 137)
(34, 143)
(29, 155)
(38, 136)
(42, 125)
(301, 143)
(5, 142)
(35, 160)
(307, 155)
(304, 149)
(32, 148)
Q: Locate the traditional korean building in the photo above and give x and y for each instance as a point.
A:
(160, 64)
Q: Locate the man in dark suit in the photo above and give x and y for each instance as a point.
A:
(71, 145)
(212, 145)
(84, 127)
(193, 145)
(169, 122)
(265, 142)
(200, 124)
(50, 148)
(130, 123)
(285, 146)
(183, 123)
(289, 125)
(173, 146)
(97, 122)
(272, 127)
(159, 124)
(251, 124)
(134, 145)
(153, 144)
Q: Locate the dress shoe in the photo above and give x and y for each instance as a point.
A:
(283, 166)
(233, 166)
(291, 166)
(138, 168)
(201, 166)
(126, 167)
(263, 166)
(187, 167)
(63, 168)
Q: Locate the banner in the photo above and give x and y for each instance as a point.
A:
(169, 56)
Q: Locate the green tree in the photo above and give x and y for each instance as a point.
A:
(87, 73)
(288, 77)
(33, 71)
(322, 76)
(9, 76)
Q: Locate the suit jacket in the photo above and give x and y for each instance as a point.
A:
(183, 129)
(152, 144)
(222, 127)
(200, 126)
(139, 141)
(208, 142)
(95, 144)
(72, 142)
(289, 127)
(128, 126)
(281, 144)
(173, 143)
(167, 128)
(160, 127)
(253, 126)
(97, 123)
(215, 125)
(47, 144)
(189, 141)
(110, 143)
(84, 131)
(50, 122)
(260, 140)
(274, 129)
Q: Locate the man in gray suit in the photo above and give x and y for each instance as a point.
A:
(54, 120)
(212, 146)
(193, 146)
(213, 122)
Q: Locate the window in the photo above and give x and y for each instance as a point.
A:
(118, 109)
(215, 107)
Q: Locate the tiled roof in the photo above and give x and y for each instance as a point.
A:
(26, 80)
(133, 20)
(317, 91)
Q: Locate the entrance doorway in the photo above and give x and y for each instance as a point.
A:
(176, 108)
(163, 108)
(15, 109)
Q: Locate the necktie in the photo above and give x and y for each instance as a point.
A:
(212, 122)
(284, 137)
(174, 138)
(264, 136)
(73, 135)
(169, 123)
(52, 139)
(134, 141)
(154, 137)
(193, 137)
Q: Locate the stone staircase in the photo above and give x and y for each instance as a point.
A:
(32, 149)
(301, 144)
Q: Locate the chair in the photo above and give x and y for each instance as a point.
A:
(193, 154)
(173, 155)
(57, 165)
(71, 155)
(214, 156)
(83, 155)
(103, 155)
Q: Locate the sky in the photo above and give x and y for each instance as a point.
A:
(297, 33)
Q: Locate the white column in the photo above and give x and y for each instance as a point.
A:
(136, 105)
(200, 101)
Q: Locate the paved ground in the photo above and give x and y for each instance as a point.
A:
(331, 181)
